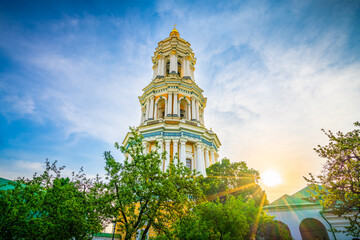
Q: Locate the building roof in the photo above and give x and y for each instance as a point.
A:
(301, 198)
(4, 184)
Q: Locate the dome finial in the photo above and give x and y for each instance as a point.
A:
(174, 32)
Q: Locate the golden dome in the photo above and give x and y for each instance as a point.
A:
(174, 32)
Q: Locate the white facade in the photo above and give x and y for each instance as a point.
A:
(306, 218)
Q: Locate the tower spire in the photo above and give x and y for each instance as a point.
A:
(174, 32)
(172, 109)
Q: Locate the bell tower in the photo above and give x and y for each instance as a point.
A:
(172, 108)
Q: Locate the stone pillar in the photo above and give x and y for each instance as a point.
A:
(163, 67)
(184, 68)
(192, 73)
(156, 111)
(188, 70)
(193, 111)
(167, 158)
(155, 70)
(147, 109)
(183, 151)
(173, 63)
(161, 145)
(188, 114)
(200, 159)
(212, 153)
(197, 110)
(161, 150)
(175, 150)
(169, 104)
(207, 162)
(176, 113)
(166, 108)
(159, 72)
(151, 113)
(142, 116)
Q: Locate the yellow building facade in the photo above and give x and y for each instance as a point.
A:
(172, 108)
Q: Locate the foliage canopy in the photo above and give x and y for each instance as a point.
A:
(142, 196)
(236, 179)
(340, 177)
(50, 207)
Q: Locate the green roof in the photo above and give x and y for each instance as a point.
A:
(306, 193)
(301, 198)
(4, 184)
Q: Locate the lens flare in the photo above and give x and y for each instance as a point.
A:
(271, 178)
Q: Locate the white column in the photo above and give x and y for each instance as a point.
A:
(156, 111)
(193, 106)
(197, 110)
(155, 70)
(173, 64)
(166, 108)
(170, 103)
(175, 150)
(188, 68)
(161, 150)
(192, 73)
(183, 151)
(161, 145)
(167, 158)
(159, 67)
(184, 67)
(147, 109)
(200, 159)
(142, 117)
(188, 116)
(212, 153)
(163, 67)
(207, 162)
(176, 104)
(151, 113)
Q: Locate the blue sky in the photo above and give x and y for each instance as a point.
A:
(274, 73)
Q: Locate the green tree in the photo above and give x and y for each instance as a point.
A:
(142, 196)
(50, 207)
(340, 177)
(225, 178)
(234, 218)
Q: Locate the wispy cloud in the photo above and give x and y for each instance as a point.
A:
(274, 74)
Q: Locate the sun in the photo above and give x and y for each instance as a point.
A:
(271, 178)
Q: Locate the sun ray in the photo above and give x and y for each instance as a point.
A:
(257, 218)
(212, 197)
(235, 177)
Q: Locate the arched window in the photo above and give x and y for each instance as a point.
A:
(310, 228)
(183, 108)
(161, 108)
(188, 163)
